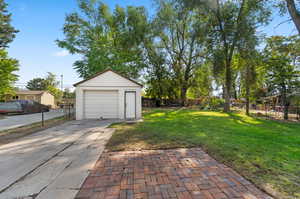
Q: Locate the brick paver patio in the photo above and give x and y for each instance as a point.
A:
(178, 173)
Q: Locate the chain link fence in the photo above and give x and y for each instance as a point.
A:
(65, 112)
(271, 111)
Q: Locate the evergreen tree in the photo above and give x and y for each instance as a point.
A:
(7, 32)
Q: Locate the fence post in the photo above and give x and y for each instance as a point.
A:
(65, 112)
(43, 117)
(69, 111)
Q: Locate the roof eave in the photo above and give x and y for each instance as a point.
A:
(100, 73)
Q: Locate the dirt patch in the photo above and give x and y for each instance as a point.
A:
(10, 135)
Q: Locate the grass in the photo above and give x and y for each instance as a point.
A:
(264, 151)
(10, 135)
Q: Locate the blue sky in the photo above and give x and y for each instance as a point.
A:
(40, 23)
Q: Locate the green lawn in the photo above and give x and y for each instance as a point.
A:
(266, 152)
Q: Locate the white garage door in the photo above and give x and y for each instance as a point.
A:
(100, 104)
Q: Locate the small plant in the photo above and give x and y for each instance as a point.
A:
(212, 103)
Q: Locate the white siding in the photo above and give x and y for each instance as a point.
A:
(112, 83)
(109, 79)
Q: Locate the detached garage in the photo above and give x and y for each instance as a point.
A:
(108, 95)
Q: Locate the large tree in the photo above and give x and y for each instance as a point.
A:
(8, 66)
(43, 83)
(158, 78)
(180, 38)
(7, 76)
(48, 83)
(228, 24)
(248, 60)
(292, 7)
(105, 39)
(283, 73)
(36, 84)
(7, 32)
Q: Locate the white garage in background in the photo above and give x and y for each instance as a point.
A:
(108, 95)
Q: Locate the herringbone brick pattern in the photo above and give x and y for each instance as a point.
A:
(160, 174)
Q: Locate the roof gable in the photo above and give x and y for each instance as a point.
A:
(108, 78)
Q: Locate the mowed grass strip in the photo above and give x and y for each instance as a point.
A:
(264, 151)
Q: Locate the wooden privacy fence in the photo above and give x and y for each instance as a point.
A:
(152, 102)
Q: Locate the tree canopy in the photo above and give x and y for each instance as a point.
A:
(36, 84)
(7, 77)
(229, 24)
(49, 83)
(8, 66)
(186, 49)
(7, 32)
(105, 39)
(283, 74)
(178, 40)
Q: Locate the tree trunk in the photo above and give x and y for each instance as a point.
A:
(183, 95)
(285, 104)
(286, 112)
(227, 89)
(291, 6)
(247, 98)
(235, 95)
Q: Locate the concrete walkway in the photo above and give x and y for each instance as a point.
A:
(14, 121)
(52, 163)
(163, 174)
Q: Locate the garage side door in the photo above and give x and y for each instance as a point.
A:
(99, 104)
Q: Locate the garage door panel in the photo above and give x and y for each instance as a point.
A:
(101, 104)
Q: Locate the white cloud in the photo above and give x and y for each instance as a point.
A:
(22, 7)
(61, 53)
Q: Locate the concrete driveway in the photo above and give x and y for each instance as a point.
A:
(14, 121)
(52, 163)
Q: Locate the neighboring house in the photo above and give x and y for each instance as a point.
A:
(108, 95)
(42, 97)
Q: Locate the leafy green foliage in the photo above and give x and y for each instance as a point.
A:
(36, 84)
(7, 32)
(105, 39)
(282, 58)
(202, 84)
(291, 7)
(50, 80)
(49, 83)
(67, 94)
(57, 93)
(228, 25)
(187, 49)
(176, 51)
(8, 67)
(43, 83)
